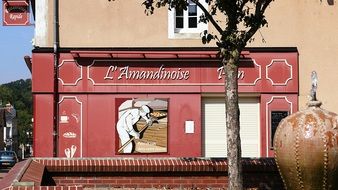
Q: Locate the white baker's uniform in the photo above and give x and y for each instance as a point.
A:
(125, 127)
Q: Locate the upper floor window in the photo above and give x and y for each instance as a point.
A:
(185, 23)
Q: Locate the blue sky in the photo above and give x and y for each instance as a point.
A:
(15, 43)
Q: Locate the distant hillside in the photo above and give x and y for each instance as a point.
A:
(19, 93)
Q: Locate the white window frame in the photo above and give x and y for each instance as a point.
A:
(190, 33)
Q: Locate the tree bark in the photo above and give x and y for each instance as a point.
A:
(234, 152)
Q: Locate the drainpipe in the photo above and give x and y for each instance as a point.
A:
(56, 79)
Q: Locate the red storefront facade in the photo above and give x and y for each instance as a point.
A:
(95, 85)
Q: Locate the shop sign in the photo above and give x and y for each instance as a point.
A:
(159, 74)
(15, 13)
(112, 73)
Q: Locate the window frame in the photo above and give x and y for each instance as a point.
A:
(185, 32)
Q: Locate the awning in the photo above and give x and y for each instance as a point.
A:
(144, 54)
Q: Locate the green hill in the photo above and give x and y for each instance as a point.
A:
(19, 94)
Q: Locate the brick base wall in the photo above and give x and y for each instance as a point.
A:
(155, 173)
(167, 181)
(144, 180)
(159, 182)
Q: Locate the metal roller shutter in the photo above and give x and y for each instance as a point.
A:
(214, 131)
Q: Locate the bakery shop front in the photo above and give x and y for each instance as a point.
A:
(157, 102)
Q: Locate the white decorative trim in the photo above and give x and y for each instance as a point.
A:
(78, 79)
(91, 79)
(257, 79)
(8, 24)
(267, 73)
(79, 102)
(267, 118)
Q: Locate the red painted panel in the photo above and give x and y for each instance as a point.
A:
(175, 73)
(42, 72)
(100, 136)
(274, 102)
(258, 73)
(70, 126)
(279, 72)
(43, 125)
(70, 71)
(183, 108)
(269, 85)
(96, 92)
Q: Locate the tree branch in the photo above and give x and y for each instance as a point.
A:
(244, 2)
(267, 3)
(258, 7)
(230, 7)
(209, 17)
(258, 14)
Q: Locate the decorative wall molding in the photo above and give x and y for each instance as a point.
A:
(272, 77)
(259, 77)
(76, 80)
(267, 126)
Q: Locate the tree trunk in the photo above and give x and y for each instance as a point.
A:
(232, 121)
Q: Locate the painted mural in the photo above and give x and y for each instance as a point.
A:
(142, 125)
(70, 127)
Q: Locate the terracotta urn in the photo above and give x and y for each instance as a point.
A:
(306, 149)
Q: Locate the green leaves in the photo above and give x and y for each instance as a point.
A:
(150, 5)
(19, 94)
(206, 37)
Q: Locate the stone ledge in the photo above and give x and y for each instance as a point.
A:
(134, 164)
(151, 164)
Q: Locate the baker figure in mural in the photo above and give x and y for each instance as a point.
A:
(126, 122)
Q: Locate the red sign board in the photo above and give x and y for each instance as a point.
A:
(110, 73)
(15, 13)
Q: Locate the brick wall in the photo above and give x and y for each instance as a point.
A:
(130, 180)
(156, 173)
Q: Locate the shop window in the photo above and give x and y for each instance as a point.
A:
(275, 118)
(185, 23)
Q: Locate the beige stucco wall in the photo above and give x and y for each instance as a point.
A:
(120, 23)
(309, 25)
(312, 27)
